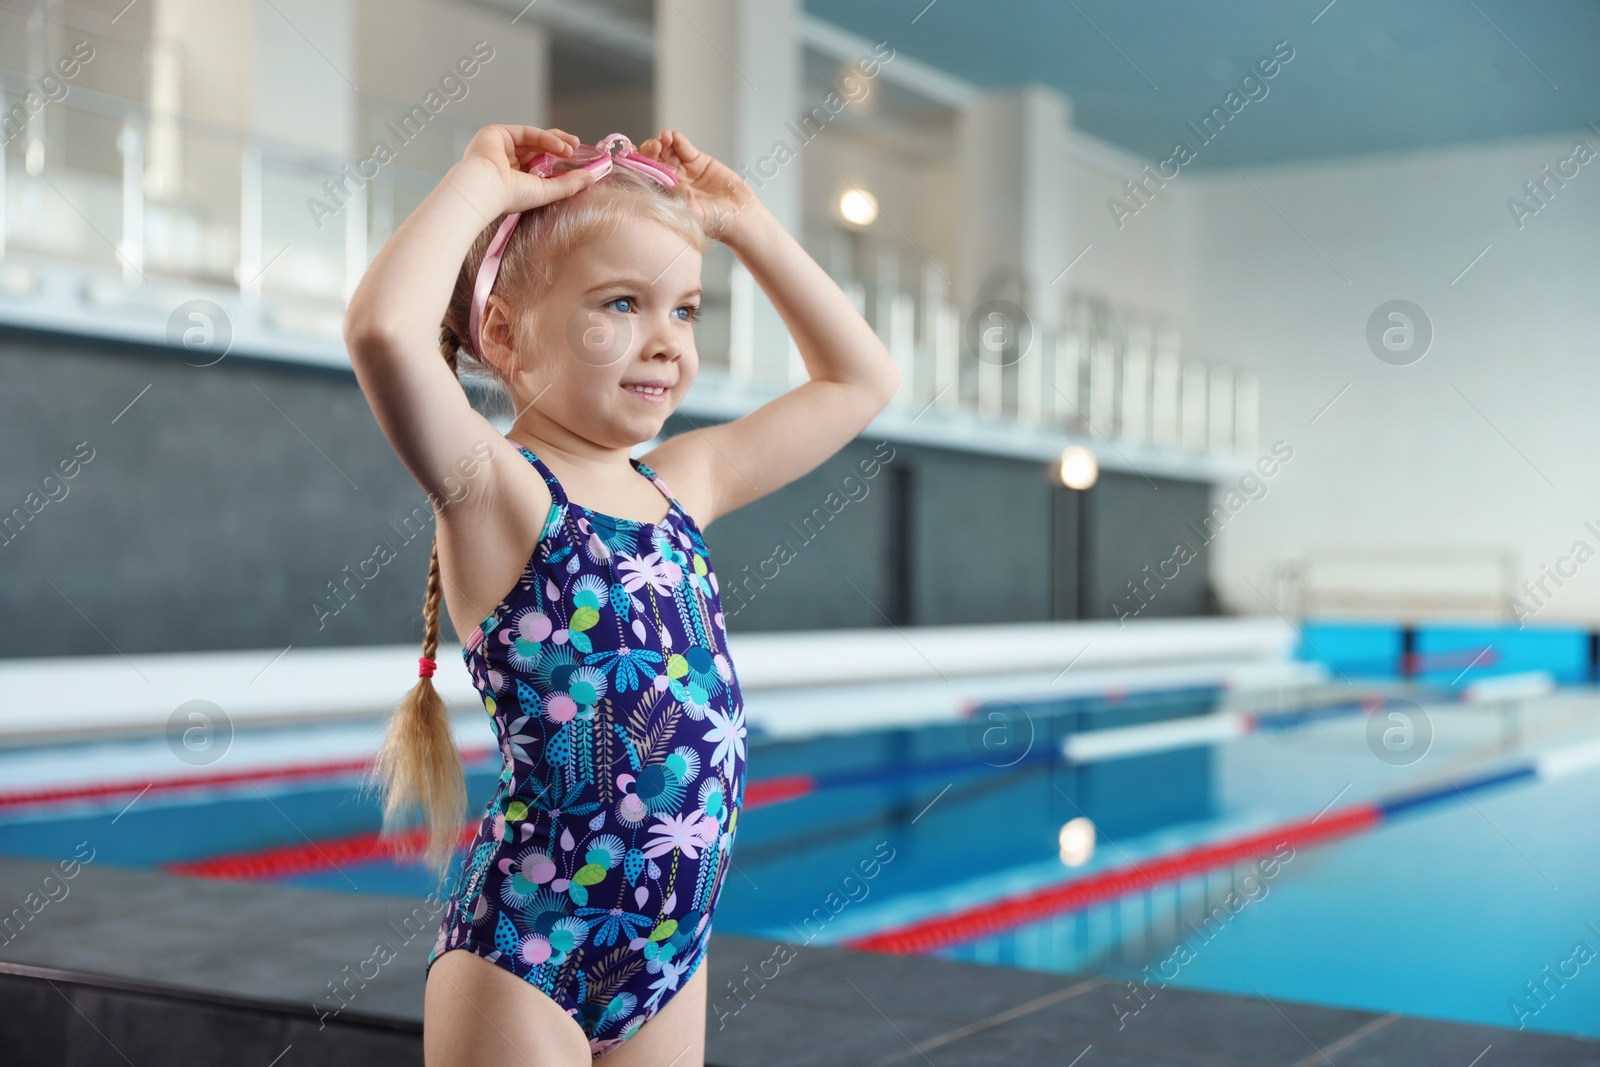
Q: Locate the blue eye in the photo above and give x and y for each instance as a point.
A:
(690, 312)
(625, 300)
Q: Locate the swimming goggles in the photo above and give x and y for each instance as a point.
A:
(614, 150)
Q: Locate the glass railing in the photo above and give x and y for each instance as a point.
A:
(132, 197)
(1091, 369)
(127, 197)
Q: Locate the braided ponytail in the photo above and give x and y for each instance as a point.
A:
(418, 765)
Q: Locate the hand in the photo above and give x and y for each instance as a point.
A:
(716, 192)
(505, 152)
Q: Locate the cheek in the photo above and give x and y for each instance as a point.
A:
(596, 339)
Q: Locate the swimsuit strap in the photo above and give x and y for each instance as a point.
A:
(644, 469)
(558, 494)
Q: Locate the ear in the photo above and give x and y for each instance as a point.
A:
(497, 334)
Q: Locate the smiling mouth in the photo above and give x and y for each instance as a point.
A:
(651, 393)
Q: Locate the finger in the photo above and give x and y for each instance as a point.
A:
(541, 191)
(549, 140)
(691, 160)
(684, 147)
(669, 149)
(516, 149)
(526, 154)
(651, 148)
(662, 154)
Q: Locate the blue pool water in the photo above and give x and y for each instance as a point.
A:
(1447, 913)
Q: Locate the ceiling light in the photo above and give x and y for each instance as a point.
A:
(1079, 468)
(858, 207)
(1077, 842)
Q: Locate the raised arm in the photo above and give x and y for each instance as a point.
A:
(853, 377)
(391, 327)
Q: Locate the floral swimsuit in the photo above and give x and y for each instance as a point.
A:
(598, 863)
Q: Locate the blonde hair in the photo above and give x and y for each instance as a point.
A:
(417, 765)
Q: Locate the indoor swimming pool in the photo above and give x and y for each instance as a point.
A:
(1277, 849)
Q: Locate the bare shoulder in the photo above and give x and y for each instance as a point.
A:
(727, 465)
(687, 464)
(488, 532)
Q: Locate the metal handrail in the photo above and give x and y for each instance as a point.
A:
(1107, 373)
(108, 105)
(1295, 587)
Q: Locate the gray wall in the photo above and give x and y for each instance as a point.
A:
(1131, 526)
(213, 514)
(214, 508)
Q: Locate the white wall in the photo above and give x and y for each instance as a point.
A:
(301, 72)
(1486, 442)
(913, 194)
(405, 48)
(1136, 265)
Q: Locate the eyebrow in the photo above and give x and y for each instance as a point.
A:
(635, 283)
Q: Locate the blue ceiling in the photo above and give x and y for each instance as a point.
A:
(1366, 75)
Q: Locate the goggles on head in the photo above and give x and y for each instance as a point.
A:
(614, 150)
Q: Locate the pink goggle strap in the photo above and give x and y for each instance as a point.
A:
(613, 150)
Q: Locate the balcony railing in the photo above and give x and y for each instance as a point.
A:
(128, 196)
(1096, 370)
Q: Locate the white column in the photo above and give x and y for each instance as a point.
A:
(506, 78)
(5, 201)
(728, 74)
(303, 73)
(131, 247)
(1012, 151)
(281, 72)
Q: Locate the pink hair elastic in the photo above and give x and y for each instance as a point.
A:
(614, 150)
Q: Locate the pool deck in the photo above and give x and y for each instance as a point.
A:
(117, 966)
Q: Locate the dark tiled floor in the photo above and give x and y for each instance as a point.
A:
(1405, 1042)
(909, 987)
(1178, 1020)
(192, 972)
(224, 939)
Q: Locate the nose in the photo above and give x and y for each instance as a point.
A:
(666, 341)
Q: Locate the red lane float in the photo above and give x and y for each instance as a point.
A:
(312, 856)
(1009, 912)
(774, 790)
(205, 780)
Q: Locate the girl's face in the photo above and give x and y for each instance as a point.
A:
(613, 351)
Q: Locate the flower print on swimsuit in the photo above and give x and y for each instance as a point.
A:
(606, 535)
(649, 570)
(618, 710)
(525, 638)
(667, 548)
(695, 677)
(690, 833)
(728, 733)
(614, 923)
(588, 594)
(670, 975)
(631, 667)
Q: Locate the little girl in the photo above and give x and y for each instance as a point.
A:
(579, 584)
